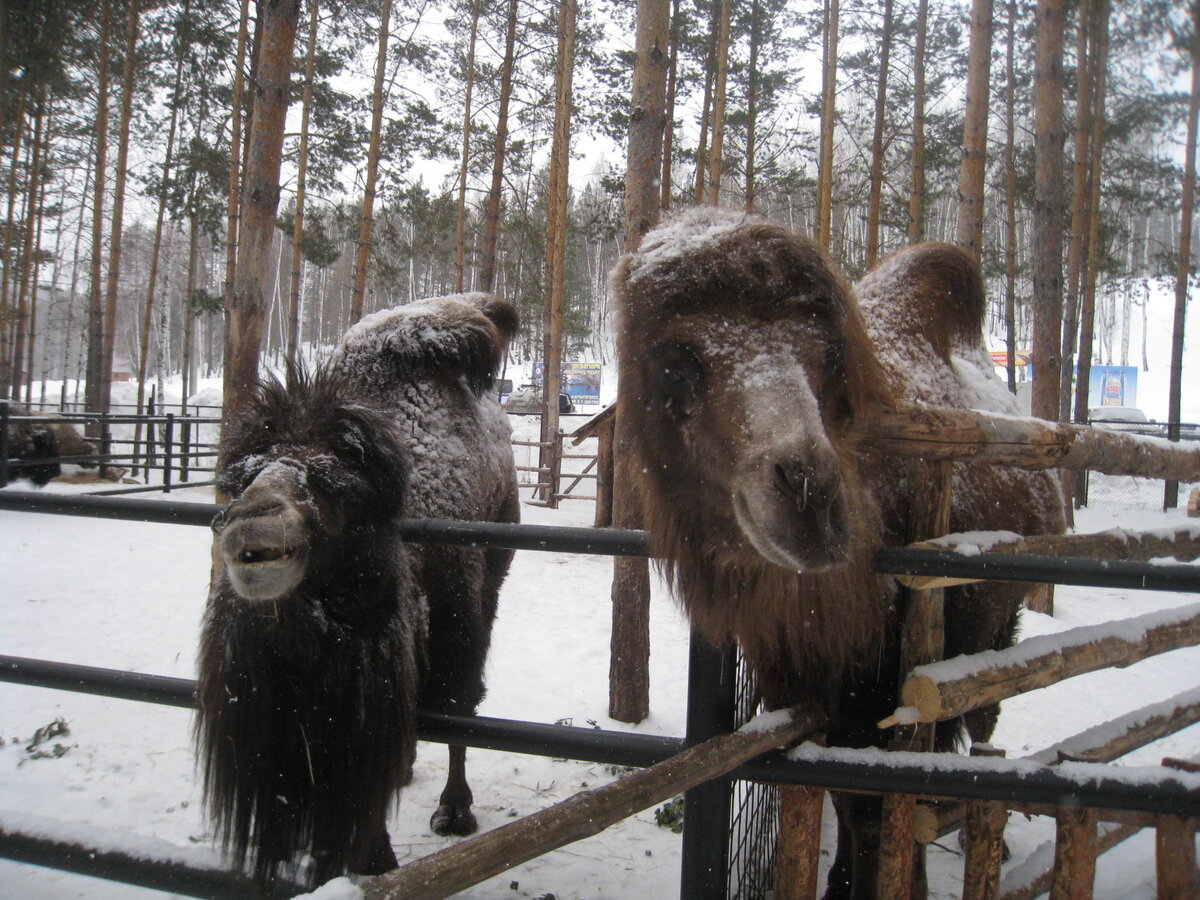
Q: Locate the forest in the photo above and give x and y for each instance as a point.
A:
(433, 146)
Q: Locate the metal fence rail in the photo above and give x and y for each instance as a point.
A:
(704, 846)
(614, 542)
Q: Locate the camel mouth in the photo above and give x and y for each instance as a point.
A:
(265, 556)
(250, 557)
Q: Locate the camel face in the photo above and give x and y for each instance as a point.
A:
(263, 536)
(752, 431)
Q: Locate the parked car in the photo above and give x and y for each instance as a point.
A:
(527, 400)
(1124, 418)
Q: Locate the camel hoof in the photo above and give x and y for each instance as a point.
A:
(450, 821)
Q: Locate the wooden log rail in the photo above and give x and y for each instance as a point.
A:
(589, 812)
(1101, 743)
(941, 433)
(945, 690)
(1181, 543)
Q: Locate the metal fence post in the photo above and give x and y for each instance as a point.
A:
(712, 677)
(3, 442)
(168, 451)
(185, 447)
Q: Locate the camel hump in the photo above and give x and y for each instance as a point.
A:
(932, 290)
(443, 338)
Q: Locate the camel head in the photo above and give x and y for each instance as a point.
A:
(307, 467)
(743, 360)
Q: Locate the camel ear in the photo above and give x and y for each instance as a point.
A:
(499, 311)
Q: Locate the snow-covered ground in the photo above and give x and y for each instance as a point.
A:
(129, 596)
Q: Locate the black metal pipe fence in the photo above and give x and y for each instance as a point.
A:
(169, 445)
(709, 689)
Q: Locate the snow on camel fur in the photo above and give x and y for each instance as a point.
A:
(324, 632)
(744, 361)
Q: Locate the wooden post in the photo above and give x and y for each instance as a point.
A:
(1074, 854)
(1175, 842)
(897, 848)
(604, 474)
(984, 842)
(922, 641)
(1193, 506)
(798, 850)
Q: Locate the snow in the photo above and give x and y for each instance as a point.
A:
(1132, 631)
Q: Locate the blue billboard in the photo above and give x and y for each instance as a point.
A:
(579, 379)
(1112, 386)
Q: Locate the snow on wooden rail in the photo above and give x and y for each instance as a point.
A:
(944, 690)
(934, 432)
(1181, 543)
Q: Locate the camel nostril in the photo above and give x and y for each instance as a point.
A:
(795, 483)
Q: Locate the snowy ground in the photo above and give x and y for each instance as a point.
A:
(129, 596)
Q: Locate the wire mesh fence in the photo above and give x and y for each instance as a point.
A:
(571, 470)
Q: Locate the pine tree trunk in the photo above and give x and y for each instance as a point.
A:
(460, 227)
(188, 352)
(1080, 192)
(237, 108)
(974, 158)
(181, 30)
(710, 69)
(32, 189)
(716, 155)
(1048, 209)
(875, 200)
(916, 197)
(752, 101)
(669, 122)
(8, 283)
(629, 674)
(118, 211)
(1087, 310)
(47, 143)
(94, 376)
(828, 120)
(1183, 267)
(260, 202)
(293, 318)
(556, 245)
(491, 226)
(1010, 200)
(363, 254)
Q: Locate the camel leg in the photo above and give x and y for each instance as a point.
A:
(380, 857)
(852, 876)
(453, 815)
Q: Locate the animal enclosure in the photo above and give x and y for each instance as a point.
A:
(988, 780)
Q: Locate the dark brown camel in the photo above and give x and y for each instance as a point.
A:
(744, 361)
(324, 631)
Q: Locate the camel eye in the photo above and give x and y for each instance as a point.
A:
(351, 442)
(679, 375)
